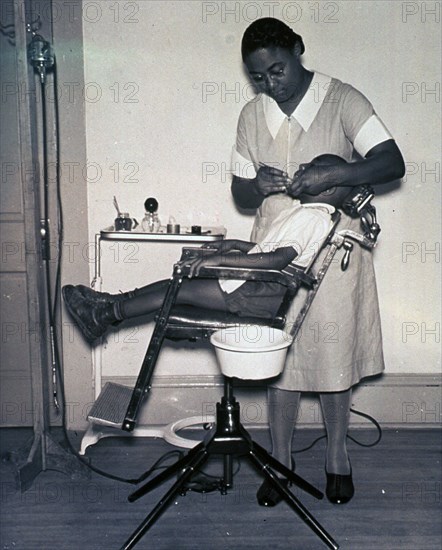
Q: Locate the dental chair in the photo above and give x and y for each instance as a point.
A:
(118, 406)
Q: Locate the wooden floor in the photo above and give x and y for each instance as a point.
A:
(397, 504)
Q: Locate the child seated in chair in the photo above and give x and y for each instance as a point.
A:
(297, 232)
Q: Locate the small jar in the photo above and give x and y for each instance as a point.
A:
(124, 222)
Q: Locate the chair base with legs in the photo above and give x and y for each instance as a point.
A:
(228, 437)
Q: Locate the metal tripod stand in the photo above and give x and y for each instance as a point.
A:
(227, 438)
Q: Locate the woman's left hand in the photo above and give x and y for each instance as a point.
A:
(312, 179)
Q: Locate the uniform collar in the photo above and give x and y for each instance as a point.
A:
(305, 112)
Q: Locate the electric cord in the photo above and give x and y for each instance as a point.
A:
(377, 425)
(202, 482)
(51, 303)
(359, 413)
(59, 200)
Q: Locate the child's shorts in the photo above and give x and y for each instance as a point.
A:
(255, 298)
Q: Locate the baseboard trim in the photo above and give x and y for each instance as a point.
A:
(394, 400)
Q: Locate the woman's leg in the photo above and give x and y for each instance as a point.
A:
(336, 412)
(283, 406)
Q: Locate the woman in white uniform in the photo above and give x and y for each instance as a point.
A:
(297, 115)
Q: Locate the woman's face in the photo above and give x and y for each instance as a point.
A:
(276, 72)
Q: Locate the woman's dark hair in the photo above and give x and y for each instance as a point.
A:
(268, 32)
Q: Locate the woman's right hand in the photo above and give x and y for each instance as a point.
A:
(270, 180)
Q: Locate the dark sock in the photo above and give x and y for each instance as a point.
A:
(106, 313)
(118, 311)
(129, 294)
(142, 301)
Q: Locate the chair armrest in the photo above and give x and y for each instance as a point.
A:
(291, 280)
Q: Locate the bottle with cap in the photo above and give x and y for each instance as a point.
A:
(151, 222)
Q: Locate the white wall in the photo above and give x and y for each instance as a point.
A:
(164, 87)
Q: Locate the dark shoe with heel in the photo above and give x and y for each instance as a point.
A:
(340, 488)
(267, 495)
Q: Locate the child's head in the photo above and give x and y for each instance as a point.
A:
(335, 195)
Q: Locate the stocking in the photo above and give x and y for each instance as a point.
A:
(336, 412)
(283, 411)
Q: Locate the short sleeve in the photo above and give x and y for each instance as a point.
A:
(361, 124)
(241, 162)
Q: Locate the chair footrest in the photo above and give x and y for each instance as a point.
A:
(111, 405)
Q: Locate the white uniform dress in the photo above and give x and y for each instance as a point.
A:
(340, 341)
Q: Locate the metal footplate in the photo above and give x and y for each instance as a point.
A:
(111, 405)
(107, 417)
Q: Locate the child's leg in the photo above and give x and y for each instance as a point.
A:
(94, 317)
(205, 293)
(336, 412)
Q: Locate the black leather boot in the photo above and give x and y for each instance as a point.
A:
(93, 319)
(104, 297)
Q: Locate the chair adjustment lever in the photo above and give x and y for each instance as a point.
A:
(348, 246)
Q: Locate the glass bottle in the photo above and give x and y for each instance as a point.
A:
(151, 221)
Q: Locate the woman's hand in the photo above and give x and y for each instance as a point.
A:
(271, 180)
(311, 179)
